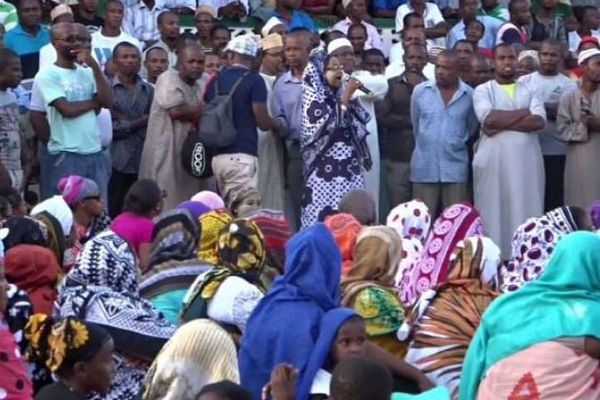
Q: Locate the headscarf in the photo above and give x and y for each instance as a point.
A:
(345, 229)
(361, 204)
(330, 324)
(14, 380)
(59, 209)
(34, 269)
(195, 208)
(376, 257)
(61, 343)
(276, 232)
(533, 243)
(457, 222)
(241, 252)
(211, 224)
(56, 236)
(563, 302)
(24, 230)
(173, 262)
(411, 220)
(444, 319)
(174, 238)
(210, 199)
(321, 115)
(76, 188)
(284, 325)
(107, 261)
(200, 353)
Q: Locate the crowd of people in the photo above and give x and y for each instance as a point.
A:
(298, 214)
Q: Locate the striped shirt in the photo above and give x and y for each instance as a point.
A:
(140, 22)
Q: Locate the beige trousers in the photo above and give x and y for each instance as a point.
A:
(234, 173)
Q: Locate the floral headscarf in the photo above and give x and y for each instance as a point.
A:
(376, 257)
(211, 224)
(533, 243)
(345, 229)
(457, 222)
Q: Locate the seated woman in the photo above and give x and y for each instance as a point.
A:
(360, 204)
(542, 341)
(444, 319)
(456, 223)
(229, 293)
(412, 221)
(102, 288)
(143, 201)
(369, 286)
(29, 264)
(173, 264)
(78, 353)
(56, 215)
(211, 225)
(200, 353)
(345, 229)
(535, 240)
(83, 197)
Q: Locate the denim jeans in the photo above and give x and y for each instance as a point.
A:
(92, 166)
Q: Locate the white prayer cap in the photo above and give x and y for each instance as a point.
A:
(270, 24)
(206, 9)
(336, 44)
(272, 41)
(243, 44)
(586, 55)
(346, 3)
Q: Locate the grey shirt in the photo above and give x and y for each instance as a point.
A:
(287, 95)
(129, 103)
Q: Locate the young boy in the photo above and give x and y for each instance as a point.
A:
(11, 172)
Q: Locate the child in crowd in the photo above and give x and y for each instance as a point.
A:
(78, 353)
(143, 201)
(224, 390)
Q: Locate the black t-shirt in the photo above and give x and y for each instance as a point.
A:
(58, 391)
(93, 25)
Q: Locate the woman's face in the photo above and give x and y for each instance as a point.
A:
(350, 340)
(526, 66)
(100, 370)
(474, 32)
(248, 206)
(92, 205)
(334, 71)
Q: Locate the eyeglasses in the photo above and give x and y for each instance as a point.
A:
(96, 197)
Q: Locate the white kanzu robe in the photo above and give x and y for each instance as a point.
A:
(508, 168)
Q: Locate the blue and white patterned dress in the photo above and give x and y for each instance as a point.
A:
(333, 146)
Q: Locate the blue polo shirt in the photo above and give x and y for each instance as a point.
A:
(299, 19)
(28, 47)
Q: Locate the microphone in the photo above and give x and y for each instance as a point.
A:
(362, 87)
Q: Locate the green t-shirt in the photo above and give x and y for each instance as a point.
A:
(74, 135)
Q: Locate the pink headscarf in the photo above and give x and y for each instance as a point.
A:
(75, 188)
(457, 222)
(209, 199)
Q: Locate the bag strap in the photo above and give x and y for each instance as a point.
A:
(236, 84)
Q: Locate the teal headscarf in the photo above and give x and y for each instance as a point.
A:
(563, 302)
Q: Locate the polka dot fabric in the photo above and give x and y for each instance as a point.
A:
(14, 381)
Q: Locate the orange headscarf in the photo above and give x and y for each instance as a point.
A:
(345, 229)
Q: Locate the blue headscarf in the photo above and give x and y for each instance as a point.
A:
(284, 327)
(563, 302)
(330, 325)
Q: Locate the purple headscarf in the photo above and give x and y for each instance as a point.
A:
(595, 214)
(196, 208)
(75, 188)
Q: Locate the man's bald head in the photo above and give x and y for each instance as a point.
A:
(61, 29)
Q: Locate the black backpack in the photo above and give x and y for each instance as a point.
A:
(216, 128)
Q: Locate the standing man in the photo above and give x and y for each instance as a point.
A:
(464, 49)
(356, 10)
(28, 37)
(110, 35)
(270, 144)
(508, 168)
(10, 139)
(377, 87)
(287, 95)
(168, 26)
(515, 30)
(85, 14)
(579, 124)
(443, 121)
(357, 34)
(205, 20)
(155, 63)
(236, 167)
(397, 126)
(549, 84)
(289, 12)
(414, 36)
(72, 93)
(436, 27)
(140, 20)
(468, 12)
(480, 70)
(132, 98)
